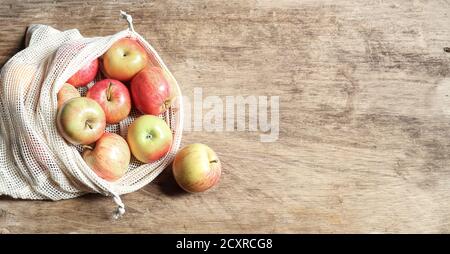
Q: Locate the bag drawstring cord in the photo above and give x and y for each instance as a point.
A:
(129, 19)
(120, 210)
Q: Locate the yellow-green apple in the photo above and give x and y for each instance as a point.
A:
(109, 158)
(150, 91)
(149, 138)
(81, 120)
(85, 75)
(66, 93)
(113, 97)
(124, 59)
(196, 168)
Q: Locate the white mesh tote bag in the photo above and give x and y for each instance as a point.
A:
(35, 161)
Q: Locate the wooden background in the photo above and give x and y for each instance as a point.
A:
(364, 141)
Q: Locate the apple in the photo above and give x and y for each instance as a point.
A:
(171, 80)
(81, 120)
(66, 93)
(113, 97)
(149, 138)
(109, 158)
(85, 75)
(150, 91)
(196, 168)
(124, 59)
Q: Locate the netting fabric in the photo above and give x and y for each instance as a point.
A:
(35, 161)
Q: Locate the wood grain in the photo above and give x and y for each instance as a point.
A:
(364, 141)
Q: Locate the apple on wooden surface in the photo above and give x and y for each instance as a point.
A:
(149, 138)
(81, 120)
(66, 93)
(110, 157)
(151, 91)
(196, 168)
(113, 97)
(124, 59)
(85, 75)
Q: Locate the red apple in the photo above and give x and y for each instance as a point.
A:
(81, 121)
(196, 168)
(124, 59)
(113, 97)
(149, 138)
(110, 157)
(150, 91)
(85, 75)
(66, 93)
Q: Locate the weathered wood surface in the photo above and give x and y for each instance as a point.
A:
(364, 90)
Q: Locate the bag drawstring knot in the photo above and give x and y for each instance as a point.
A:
(120, 210)
(129, 19)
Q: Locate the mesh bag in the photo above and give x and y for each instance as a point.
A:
(35, 161)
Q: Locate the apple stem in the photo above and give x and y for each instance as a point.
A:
(108, 93)
(214, 161)
(166, 104)
(88, 125)
(87, 147)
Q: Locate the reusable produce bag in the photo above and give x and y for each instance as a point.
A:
(35, 161)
